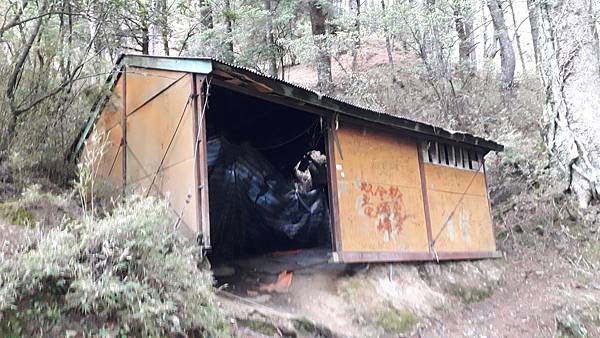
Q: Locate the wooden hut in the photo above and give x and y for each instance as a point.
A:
(395, 189)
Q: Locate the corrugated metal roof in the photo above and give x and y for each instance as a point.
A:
(293, 91)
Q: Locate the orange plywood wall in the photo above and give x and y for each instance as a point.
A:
(379, 191)
(160, 140)
(108, 125)
(460, 214)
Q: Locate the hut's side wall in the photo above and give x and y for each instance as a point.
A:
(160, 140)
(109, 178)
(379, 192)
(460, 214)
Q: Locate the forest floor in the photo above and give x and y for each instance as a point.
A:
(534, 292)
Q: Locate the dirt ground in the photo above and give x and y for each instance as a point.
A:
(539, 292)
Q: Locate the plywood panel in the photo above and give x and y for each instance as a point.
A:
(176, 185)
(109, 166)
(379, 192)
(460, 214)
(160, 147)
(151, 129)
(143, 84)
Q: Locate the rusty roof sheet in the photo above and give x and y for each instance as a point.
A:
(291, 91)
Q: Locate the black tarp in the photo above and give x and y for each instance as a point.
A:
(255, 209)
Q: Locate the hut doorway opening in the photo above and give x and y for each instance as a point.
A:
(267, 174)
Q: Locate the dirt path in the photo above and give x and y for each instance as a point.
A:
(536, 287)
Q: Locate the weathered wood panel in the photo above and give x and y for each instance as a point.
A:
(379, 191)
(143, 84)
(460, 214)
(160, 145)
(109, 168)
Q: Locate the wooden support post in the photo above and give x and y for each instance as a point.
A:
(124, 131)
(424, 196)
(332, 187)
(201, 161)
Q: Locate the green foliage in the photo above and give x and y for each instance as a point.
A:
(15, 214)
(395, 321)
(128, 270)
(260, 326)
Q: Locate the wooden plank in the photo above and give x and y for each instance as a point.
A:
(460, 214)
(332, 186)
(161, 149)
(202, 162)
(425, 197)
(381, 206)
(361, 257)
(124, 133)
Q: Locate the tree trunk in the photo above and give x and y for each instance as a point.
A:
(229, 56)
(356, 45)
(507, 54)
(272, 55)
(517, 37)
(388, 44)
(571, 74)
(323, 59)
(533, 11)
(206, 14)
(13, 79)
(466, 47)
(163, 24)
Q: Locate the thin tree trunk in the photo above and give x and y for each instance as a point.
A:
(533, 11)
(12, 83)
(485, 30)
(507, 53)
(164, 24)
(388, 44)
(517, 37)
(356, 45)
(206, 14)
(229, 56)
(570, 69)
(323, 59)
(466, 48)
(272, 55)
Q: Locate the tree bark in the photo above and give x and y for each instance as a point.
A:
(388, 44)
(163, 24)
(229, 56)
(517, 36)
(571, 74)
(533, 11)
(507, 53)
(206, 14)
(272, 55)
(11, 86)
(356, 45)
(466, 47)
(323, 59)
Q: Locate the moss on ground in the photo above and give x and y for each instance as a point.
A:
(12, 213)
(470, 294)
(259, 326)
(311, 329)
(395, 321)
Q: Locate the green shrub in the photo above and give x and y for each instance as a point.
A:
(128, 270)
(395, 321)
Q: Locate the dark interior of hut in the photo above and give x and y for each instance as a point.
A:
(267, 177)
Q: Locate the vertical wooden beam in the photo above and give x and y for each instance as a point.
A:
(332, 187)
(425, 196)
(124, 131)
(195, 140)
(489, 202)
(201, 160)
